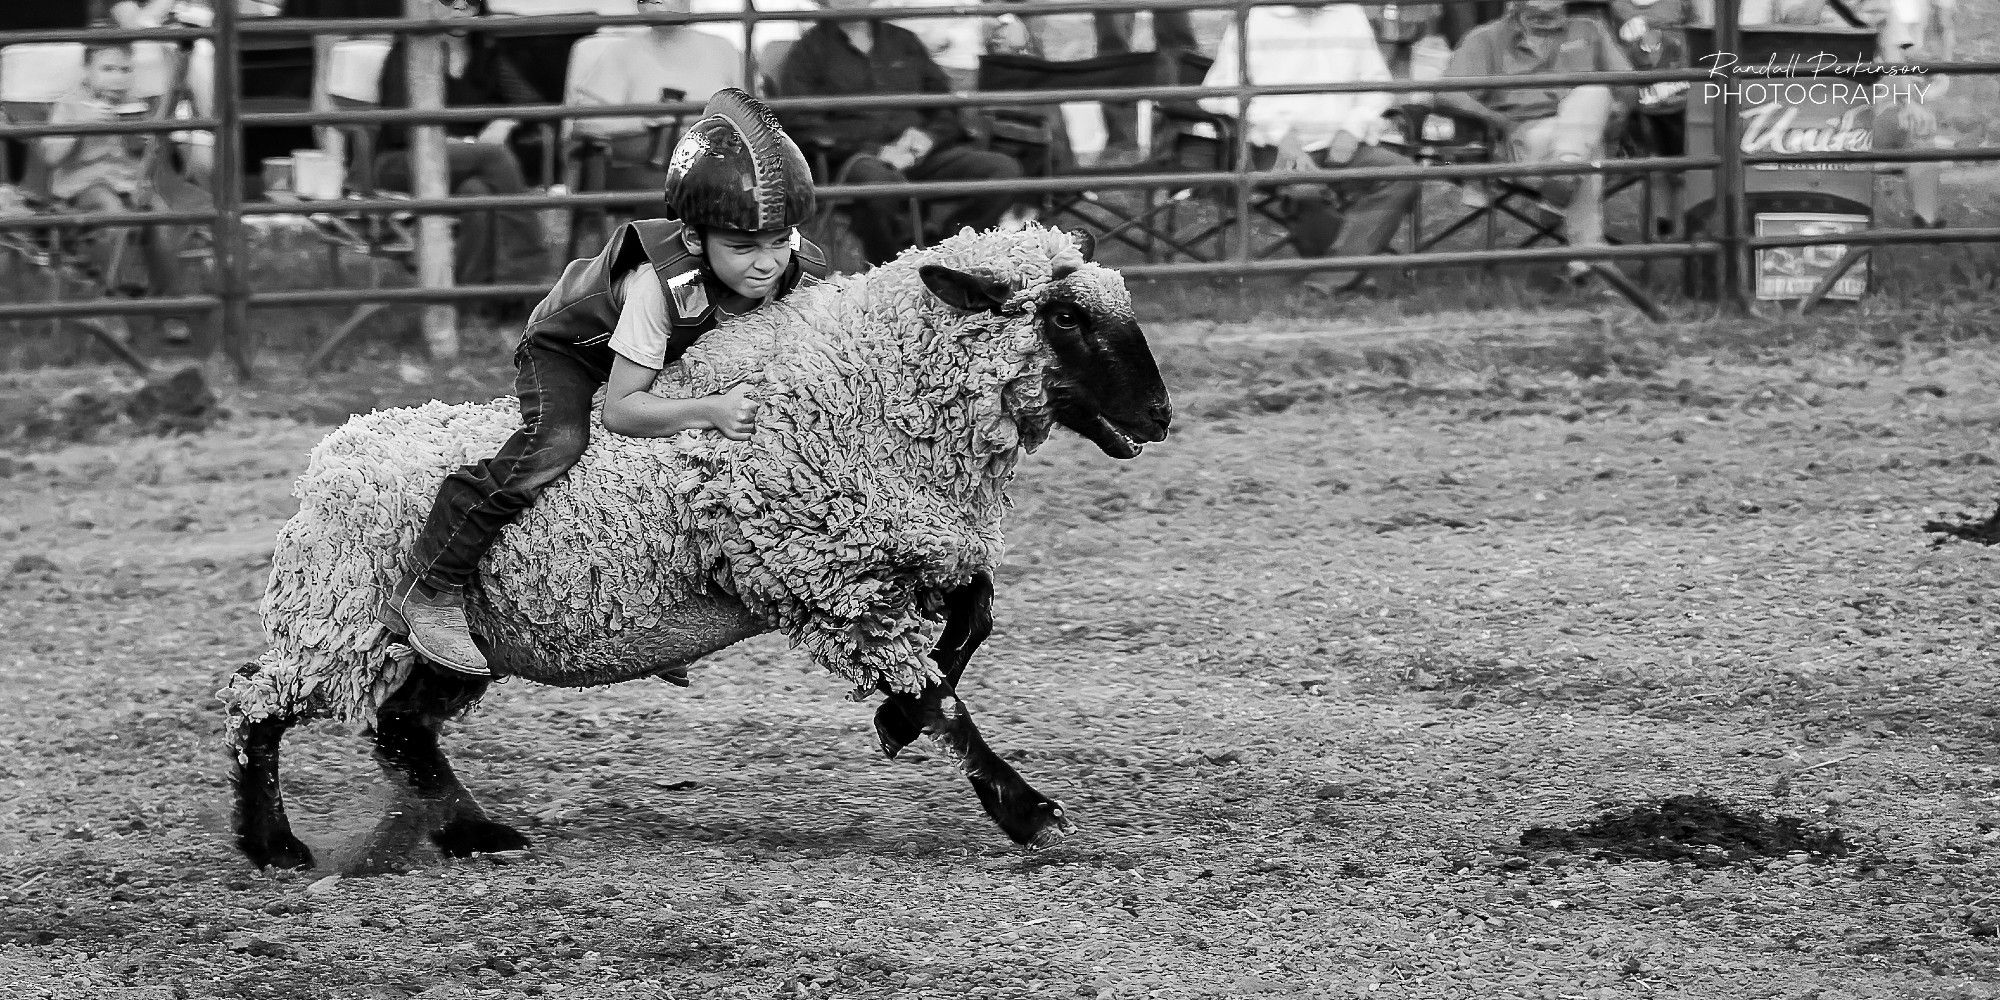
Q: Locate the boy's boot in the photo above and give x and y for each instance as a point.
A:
(433, 621)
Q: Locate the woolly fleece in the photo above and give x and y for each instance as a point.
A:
(889, 427)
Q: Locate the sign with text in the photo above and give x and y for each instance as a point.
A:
(1813, 109)
(1793, 272)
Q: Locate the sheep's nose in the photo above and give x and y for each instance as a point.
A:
(1162, 413)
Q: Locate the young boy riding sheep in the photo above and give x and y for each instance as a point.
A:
(737, 188)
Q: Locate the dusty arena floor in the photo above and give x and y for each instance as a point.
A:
(1305, 675)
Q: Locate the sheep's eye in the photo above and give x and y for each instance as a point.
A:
(1066, 319)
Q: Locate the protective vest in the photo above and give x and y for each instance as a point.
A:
(578, 315)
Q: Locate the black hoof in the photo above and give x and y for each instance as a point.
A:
(280, 851)
(462, 838)
(1034, 822)
(895, 728)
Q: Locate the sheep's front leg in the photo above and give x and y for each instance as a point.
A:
(968, 620)
(1028, 817)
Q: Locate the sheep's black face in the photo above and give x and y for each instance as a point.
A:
(1104, 383)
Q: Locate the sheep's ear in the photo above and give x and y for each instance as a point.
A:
(971, 291)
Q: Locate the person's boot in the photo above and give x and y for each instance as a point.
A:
(433, 622)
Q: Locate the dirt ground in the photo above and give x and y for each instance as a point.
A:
(1305, 674)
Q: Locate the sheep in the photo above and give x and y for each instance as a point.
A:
(862, 520)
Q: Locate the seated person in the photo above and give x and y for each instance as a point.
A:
(1907, 31)
(153, 65)
(666, 61)
(1310, 44)
(105, 173)
(1533, 124)
(955, 43)
(864, 55)
(1654, 33)
(1919, 32)
(503, 246)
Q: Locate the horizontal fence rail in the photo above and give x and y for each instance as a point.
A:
(230, 33)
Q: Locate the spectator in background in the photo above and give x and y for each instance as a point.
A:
(1319, 44)
(152, 70)
(103, 173)
(865, 55)
(503, 246)
(955, 43)
(1529, 124)
(1920, 32)
(761, 36)
(1904, 28)
(665, 62)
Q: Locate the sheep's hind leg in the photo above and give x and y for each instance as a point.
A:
(406, 745)
(263, 832)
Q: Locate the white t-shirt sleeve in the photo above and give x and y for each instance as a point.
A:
(643, 330)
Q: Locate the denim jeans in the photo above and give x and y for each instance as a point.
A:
(556, 387)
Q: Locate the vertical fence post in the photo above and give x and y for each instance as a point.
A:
(237, 341)
(752, 79)
(1245, 213)
(430, 177)
(1731, 205)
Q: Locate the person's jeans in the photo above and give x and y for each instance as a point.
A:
(503, 246)
(879, 223)
(1575, 134)
(1375, 210)
(1172, 29)
(478, 500)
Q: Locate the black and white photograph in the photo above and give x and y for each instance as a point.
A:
(1006, 499)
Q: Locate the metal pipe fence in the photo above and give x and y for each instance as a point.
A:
(1731, 246)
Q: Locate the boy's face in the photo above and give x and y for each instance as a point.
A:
(109, 74)
(749, 263)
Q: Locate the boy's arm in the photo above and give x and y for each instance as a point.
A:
(640, 345)
(632, 410)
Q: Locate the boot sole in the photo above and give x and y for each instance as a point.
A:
(388, 615)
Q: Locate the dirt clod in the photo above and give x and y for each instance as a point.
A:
(1984, 531)
(32, 563)
(1692, 828)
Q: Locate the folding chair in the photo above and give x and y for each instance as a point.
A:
(1435, 139)
(1519, 199)
(33, 77)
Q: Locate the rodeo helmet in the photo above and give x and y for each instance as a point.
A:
(737, 169)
